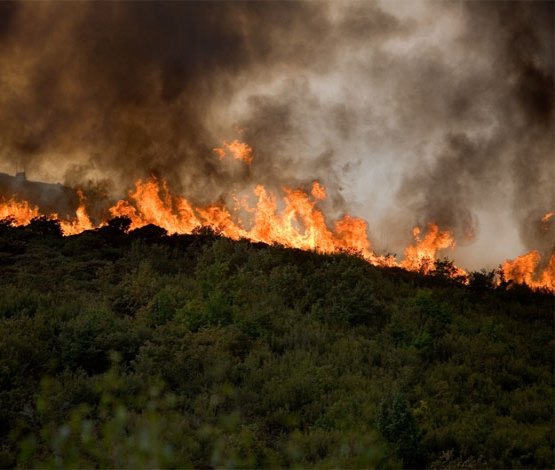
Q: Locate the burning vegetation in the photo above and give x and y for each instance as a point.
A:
(292, 219)
(197, 291)
(323, 92)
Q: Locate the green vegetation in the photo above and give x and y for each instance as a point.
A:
(143, 350)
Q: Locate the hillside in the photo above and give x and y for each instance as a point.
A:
(146, 350)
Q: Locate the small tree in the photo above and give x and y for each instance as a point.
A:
(45, 226)
(445, 269)
(481, 280)
(398, 427)
(120, 224)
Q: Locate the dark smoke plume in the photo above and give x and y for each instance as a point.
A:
(408, 112)
(131, 84)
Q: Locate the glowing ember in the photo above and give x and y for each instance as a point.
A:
(238, 150)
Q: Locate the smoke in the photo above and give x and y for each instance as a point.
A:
(513, 158)
(126, 89)
(407, 112)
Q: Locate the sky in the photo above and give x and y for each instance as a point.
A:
(407, 111)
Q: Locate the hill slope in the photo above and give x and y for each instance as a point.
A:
(145, 350)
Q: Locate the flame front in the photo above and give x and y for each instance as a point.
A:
(20, 211)
(299, 224)
(292, 220)
(524, 270)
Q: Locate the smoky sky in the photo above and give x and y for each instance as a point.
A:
(471, 166)
(129, 85)
(408, 112)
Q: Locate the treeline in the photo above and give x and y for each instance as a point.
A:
(139, 349)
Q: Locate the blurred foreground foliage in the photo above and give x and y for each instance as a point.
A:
(135, 349)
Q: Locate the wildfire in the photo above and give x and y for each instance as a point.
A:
(291, 219)
(421, 255)
(523, 269)
(20, 211)
(298, 224)
(301, 225)
(152, 203)
(238, 150)
(81, 222)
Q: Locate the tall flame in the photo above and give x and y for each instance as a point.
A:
(152, 203)
(299, 224)
(524, 270)
(81, 222)
(20, 211)
(421, 255)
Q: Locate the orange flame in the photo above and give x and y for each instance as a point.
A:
(81, 222)
(299, 224)
(421, 255)
(547, 217)
(523, 269)
(292, 220)
(155, 205)
(20, 211)
(238, 150)
(318, 191)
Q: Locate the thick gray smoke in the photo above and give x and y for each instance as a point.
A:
(408, 112)
(515, 100)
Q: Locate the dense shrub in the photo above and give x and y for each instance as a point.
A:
(141, 349)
